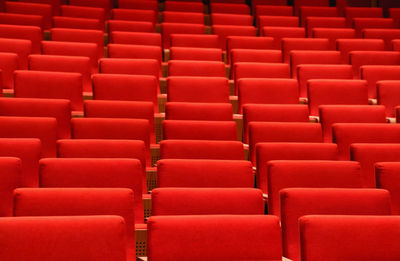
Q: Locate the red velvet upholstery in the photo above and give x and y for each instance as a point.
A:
(367, 237)
(387, 178)
(199, 54)
(32, 33)
(206, 201)
(125, 87)
(198, 89)
(19, 46)
(273, 20)
(280, 10)
(78, 35)
(278, 33)
(386, 34)
(360, 24)
(199, 130)
(11, 178)
(255, 55)
(374, 73)
(55, 4)
(56, 63)
(344, 134)
(122, 109)
(302, 44)
(299, 3)
(140, 5)
(135, 51)
(130, 26)
(77, 23)
(266, 151)
(183, 17)
(224, 31)
(133, 15)
(282, 132)
(181, 6)
(78, 202)
(332, 34)
(8, 64)
(76, 10)
(72, 49)
(370, 154)
(44, 10)
(198, 111)
(274, 113)
(388, 95)
(330, 114)
(194, 40)
(196, 68)
(21, 19)
(248, 42)
(352, 12)
(95, 173)
(44, 129)
(307, 72)
(214, 237)
(71, 238)
(136, 38)
(229, 8)
(312, 57)
(336, 92)
(317, 11)
(130, 66)
(362, 58)
(345, 46)
(309, 174)
(57, 108)
(50, 85)
(201, 149)
(176, 28)
(106, 4)
(298, 202)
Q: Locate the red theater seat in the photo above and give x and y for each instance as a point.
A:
(332, 34)
(309, 174)
(196, 68)
(95, 173)
(195, 54)
(44, 10)
(386, 34)
(361, 58)
(50, 85)
(181, 6)
(231, 19)
(330, 114)
(77, 23)
(11, 178)
(352, 12)
(248, 42)
(206, 201)
(131, 51)
(345, 134)
(289, 45)
(312, 57)
(279, 10)
(133, 15)
(214, 238)
(307, 72)
(130, 26)
(139, 5)
(255, 55)
(266, 151)
(229, 8)
(336, 92)
(345, 46)
(8, 64)
(317, 11)
(375, 73)
(183, 17)
(299, 3)
(19, 46)
(201, 149)
(196, 173)
(32, 33)
(205, 130)
(85, 237)
(175, 28)
(387, 178)
(278, 33)
(224, 31)
(22, 19)
(281, 21)
(198, 111)
(298, 202)
(79, 201)
(388, 95)
(368, 237)
(137, 38)
(360, 24)
(130, 66)
(194, 40)
(75, 10)
(324, 22)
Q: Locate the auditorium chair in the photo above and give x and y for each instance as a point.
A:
(181, 6)
(8, 65)
(130, 26)
(255, 56)
(284, 174)
(289, 44)
(78, 202)
(360, 24)
(136, 38)
(221, 237)
(122, 109)
(345, 46)
(266, 151)
(323, 22)
(194, 40)
(78, 35)
(336, 92)
(32, 33)
(134, 15)
(103, 4)
(298, 4)
(67, 64)
(204, 173)
(248, 42)
(307, 72)
(317, 11)
(11, 178)
(204, 130)
(363, 12)
(331, 114)
(19, 46)
(298, 202)
(73, 49)
(267, 91)
(183, 17)
(369, 155)
(139, 5)
(55, 4)
(130, 66)
(281, 21)
(195, 54)
(72, 238)
(201, 149)
(278, 32)
(78, 11)
(22, 19)
(224, 31)
(332, 34)
(387, 178)
(395, 14)
(196, 68)
(43, 128)
(273, 113)
(229, 8)
(44, 10)
(282, 132)
(376, 73)
(50, 85)
(231, 19)
(279, 10)
(206, 201)
(386, 34)
(388, 95)
(367, 237)
(175, 28)
(77, 23)
(131, 51)
(345, 134)
(312, 57)
(198, 111)
(362, 58)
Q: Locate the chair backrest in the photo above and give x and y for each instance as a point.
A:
(298, 58)
(22, 47)
(229, 8)
(387, 95)
(224, 31)
(77, 23)
(176, 28)
(198, 111)
(131, 51)
(374, 73)
(180, 6)
(8, 65)
(298, 202)
(360, 24)
(387, 178)
(289, 44)
(32, 33)
(345, 46)
(195, 54)
(196, 68)
(194, 40)
(364, 58)
(213, 237)
(317, 11)
(130, 66)
(279, 32)
(386, 34)
(11, 178)
(136, 38)
(200, 173)
(183, 17)
(44, 10)
(90, 238)
(332, 34)
(133, 15)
